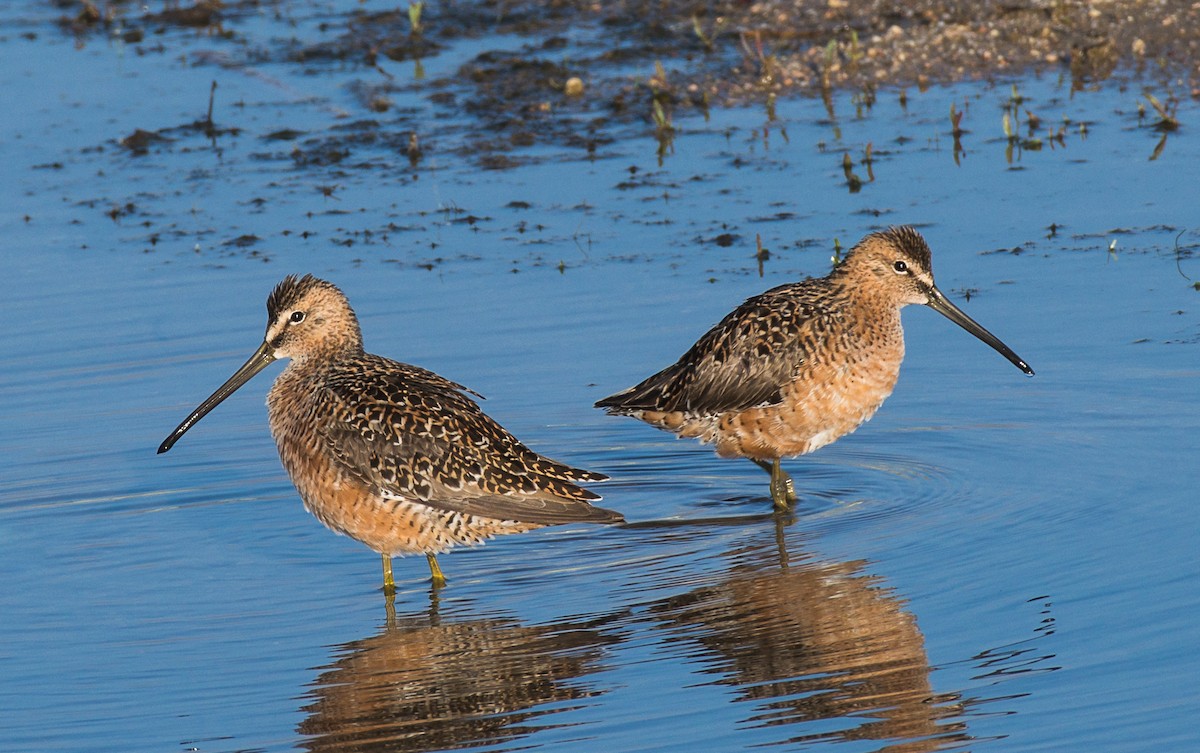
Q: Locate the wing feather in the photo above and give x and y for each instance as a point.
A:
(743, 362)
(407, 433)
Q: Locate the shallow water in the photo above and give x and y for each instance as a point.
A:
(992, 563)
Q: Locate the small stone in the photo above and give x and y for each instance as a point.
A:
(574, 87)
(1138, 47)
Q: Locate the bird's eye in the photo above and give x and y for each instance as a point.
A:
(297, 317)
(901, 267)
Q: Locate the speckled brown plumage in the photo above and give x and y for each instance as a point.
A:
(390, 454)
(797, 367)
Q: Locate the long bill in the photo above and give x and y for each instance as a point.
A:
(259, 361)
(943, 306)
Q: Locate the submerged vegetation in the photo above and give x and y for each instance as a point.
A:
(723, 53)
(649, 75)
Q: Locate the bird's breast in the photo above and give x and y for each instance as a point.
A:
(839, 385)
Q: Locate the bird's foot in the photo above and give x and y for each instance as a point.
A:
(780, 494)
(783, 490)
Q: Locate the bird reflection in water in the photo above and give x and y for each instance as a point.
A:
(428, 683)
(817, 642)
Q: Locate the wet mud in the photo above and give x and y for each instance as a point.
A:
(580, 74)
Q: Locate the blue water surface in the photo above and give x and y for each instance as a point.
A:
(992, 563)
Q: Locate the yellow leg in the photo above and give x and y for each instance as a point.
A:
(389, 583)
(783, 491)
(435, 571)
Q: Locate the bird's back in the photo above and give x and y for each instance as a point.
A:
(788, 371)
(405, 433)
(745, 360)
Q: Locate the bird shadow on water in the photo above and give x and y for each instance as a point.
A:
(822, 651)
(429, 681)
(814, 651)
(823, 645)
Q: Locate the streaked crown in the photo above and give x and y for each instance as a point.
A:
(895, 262)
(308, 316)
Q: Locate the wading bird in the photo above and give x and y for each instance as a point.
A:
(389, 454)
(799, 366)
